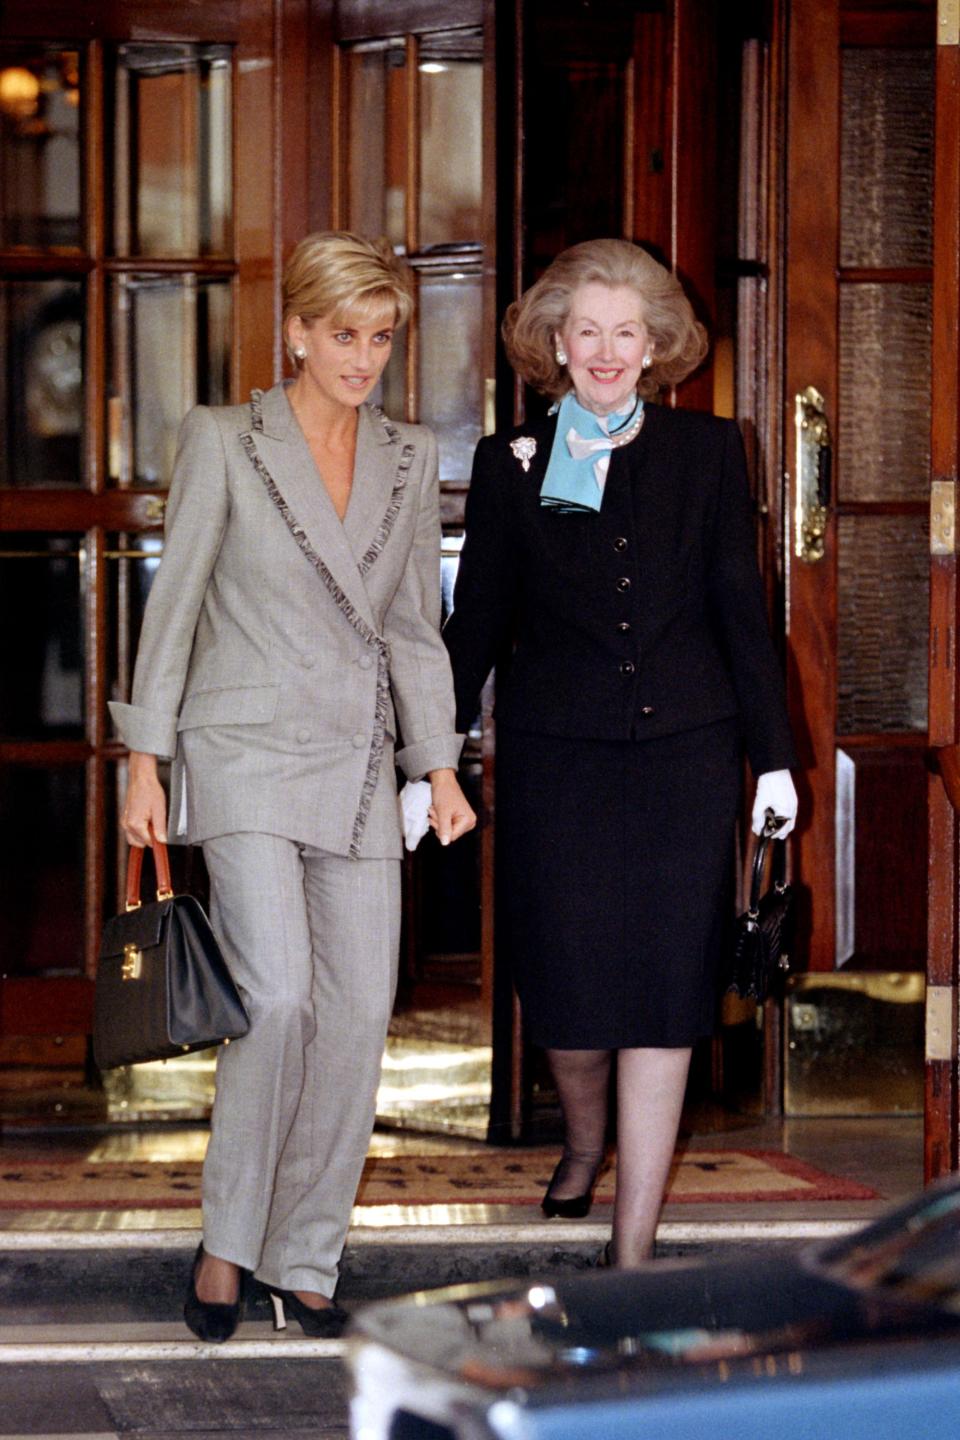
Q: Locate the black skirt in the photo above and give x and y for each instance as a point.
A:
(615, 882)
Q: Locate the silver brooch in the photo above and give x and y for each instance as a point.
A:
(524, 447)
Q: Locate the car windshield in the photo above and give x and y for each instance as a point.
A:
(912, 1256)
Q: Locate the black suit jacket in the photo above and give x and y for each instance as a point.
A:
(644, 619)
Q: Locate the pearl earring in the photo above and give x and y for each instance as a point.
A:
(646, 362)
(561, 356)
(300, 354)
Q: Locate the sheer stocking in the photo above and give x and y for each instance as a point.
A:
(650, 1090)
(582, 1078)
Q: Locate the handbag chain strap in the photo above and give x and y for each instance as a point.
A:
(161, 863)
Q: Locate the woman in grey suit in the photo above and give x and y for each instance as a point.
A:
(290, 637)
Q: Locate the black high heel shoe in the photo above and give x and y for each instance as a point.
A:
(207, 1319)
(325, 1323)
(574, 1207)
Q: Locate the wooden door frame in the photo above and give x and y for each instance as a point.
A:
(272, 164)
(942, 1110)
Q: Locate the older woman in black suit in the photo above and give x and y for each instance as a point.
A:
(609, 568)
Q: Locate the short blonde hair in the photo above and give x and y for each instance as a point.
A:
(337, 273)
(532, 323)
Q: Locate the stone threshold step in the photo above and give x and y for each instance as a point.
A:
(671, 1234)
(144, 1342)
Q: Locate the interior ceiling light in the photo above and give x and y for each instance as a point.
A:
(19, 91)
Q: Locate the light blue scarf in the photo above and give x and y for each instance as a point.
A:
(580, 457)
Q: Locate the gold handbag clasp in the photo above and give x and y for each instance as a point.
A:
(132, 962)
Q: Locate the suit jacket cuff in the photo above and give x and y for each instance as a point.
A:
(440, 752)
(145, 730)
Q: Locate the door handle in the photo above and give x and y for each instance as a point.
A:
(814, 475)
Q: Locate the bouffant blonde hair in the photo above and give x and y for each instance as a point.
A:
(337, 273)
(532, 323)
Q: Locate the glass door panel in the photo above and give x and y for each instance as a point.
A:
(883, 607)
(42, 650)
(40, 147)
(170, 350)
(41, 382)
(42, 877)
(172, 150)
(886, 158)
(884, 390)
(451, 138)
(450, 322)
(376, 158)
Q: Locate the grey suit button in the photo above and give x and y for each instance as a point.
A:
(365, 662)
(304, 736)
(359, 741)
(623, 583)
(308, 661)
(627, 667)
(646, 709)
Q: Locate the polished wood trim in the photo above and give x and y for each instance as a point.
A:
(46, 1005)
(629, 145)
(79, 510)
(295, 71)
(117, 20)
(258, 156)
(694, 170)
(881, 507)
(94, 218)
(24, 262)
(44, 752)
(375, 19)
(904, 275)
(653, 169)
(411, 131)
(336, 191)
(811, 359)
(874, 27)
(942, 1104)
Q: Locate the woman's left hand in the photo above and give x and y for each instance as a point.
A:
(776, 792)
(450, 813)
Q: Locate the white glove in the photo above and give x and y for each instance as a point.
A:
(415, 801)
(775, 791)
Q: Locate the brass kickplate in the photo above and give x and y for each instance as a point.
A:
(132, 962)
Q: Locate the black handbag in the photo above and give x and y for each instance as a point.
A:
(764, 932)
(163, 987)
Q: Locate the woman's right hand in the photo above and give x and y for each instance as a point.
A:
(145, 808)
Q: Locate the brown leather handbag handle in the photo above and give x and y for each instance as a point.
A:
(161, 863)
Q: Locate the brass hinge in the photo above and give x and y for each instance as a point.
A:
(948, 22)
(943, 514)
(132, 962)
(941, 1025)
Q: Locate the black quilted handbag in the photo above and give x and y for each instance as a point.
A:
(163, 987)
(764, 932)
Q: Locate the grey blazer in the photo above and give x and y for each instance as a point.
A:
(283, 651)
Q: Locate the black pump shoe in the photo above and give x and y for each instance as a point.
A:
(325, 1323)
(574, 1207)
(208, 1320)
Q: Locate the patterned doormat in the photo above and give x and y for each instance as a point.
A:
(494, 1177)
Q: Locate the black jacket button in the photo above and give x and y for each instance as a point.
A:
(620, 544)
(627, 667)
(646, 709)
(623, 583)
(624, 627)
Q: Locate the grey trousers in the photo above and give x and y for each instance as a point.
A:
(312, 941)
